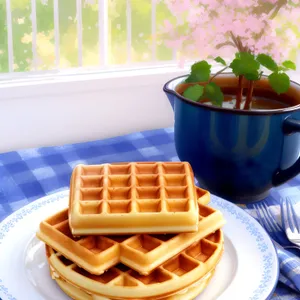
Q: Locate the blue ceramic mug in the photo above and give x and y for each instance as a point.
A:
(236, 154)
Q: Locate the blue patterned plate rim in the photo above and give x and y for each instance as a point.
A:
(258, 231)
(217, 200)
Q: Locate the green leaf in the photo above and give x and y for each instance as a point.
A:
(246, 55)
(281, 68)
(238, 55)
(289, 65)
(255, 75)
(201, 70)
(214, 93)
(245, 64)
(267, 61)
(280, 82)
(220, 60)
(192, 78)
(194, 92)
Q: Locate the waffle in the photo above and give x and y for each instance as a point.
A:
(173, 277)
(142, 253)
(131, 198)
(79, 294)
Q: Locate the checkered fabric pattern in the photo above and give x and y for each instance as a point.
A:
(29, 174)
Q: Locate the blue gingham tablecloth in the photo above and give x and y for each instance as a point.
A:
(29, 174)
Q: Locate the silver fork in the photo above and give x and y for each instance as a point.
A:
(290, 221)
(273, 228)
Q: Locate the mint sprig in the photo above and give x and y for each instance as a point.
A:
(244, 64)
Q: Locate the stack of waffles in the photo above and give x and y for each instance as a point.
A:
(134, 231)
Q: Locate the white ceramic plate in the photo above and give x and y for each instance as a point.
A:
(248, 270)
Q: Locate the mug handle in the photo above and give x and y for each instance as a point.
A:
(290, 126)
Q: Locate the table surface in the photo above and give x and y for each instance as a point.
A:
(29, 174)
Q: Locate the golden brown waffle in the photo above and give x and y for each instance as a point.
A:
(142, 253)
(120, 282)
(80, 294)
(131, 198)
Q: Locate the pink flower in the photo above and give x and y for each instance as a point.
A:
(168, 25)
(219, 26)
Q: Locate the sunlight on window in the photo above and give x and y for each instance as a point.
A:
(130, 35)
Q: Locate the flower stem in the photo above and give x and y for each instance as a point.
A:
(249, 95)
(240, 44)
(228, 43)
(277, 9)
(239, 95)
(235, 41)
(219, 72)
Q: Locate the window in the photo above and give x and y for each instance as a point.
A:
(56, 35)
(49, 35)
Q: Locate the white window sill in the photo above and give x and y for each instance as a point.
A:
(56, 109)
(43, 110)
